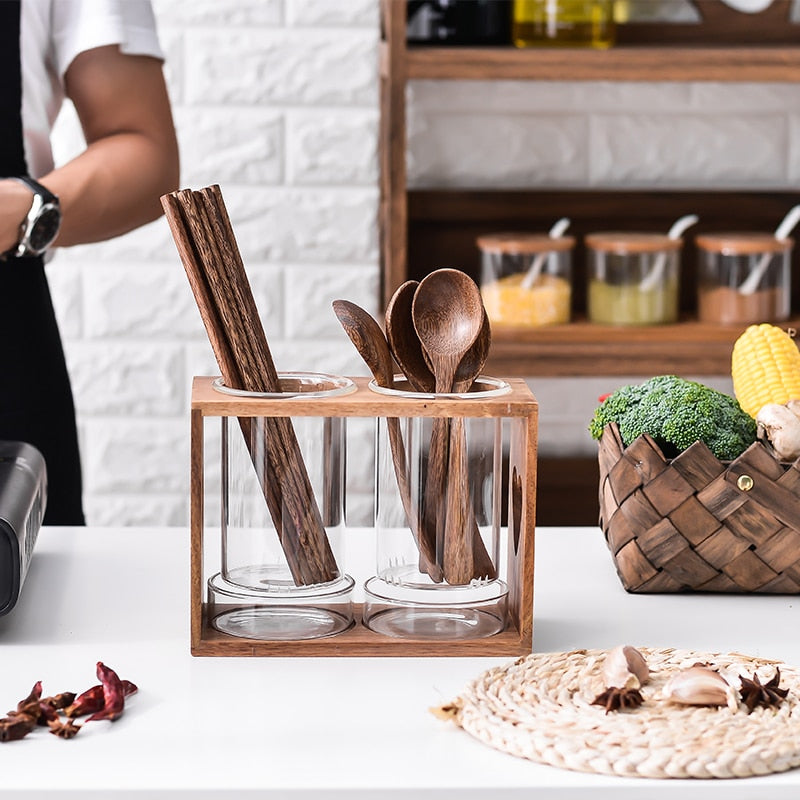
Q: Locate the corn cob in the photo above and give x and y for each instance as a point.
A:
(765, 367)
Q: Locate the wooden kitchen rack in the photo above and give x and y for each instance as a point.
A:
(424, 229)
(519, 411)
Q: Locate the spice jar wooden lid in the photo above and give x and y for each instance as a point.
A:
(742, 244)
(630, 243)
(520, 243)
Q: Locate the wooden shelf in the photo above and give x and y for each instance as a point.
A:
(443, 226)
(624, 63)
(425, 229)
(582, 348)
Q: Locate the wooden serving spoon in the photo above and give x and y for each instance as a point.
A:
(369, 340)
(474, 359)
(403, 340)
(448, 316)
(448, 313)
(464, 556)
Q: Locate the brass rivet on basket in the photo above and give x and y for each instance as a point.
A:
(745, 483)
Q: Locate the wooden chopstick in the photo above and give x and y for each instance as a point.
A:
(207, 247)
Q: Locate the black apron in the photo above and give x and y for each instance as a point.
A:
(35, 396)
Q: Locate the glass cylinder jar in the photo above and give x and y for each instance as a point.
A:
(633, 278)
(526, 279)
(438, 512)
(282, 520)
(567, 23)
(743, 278)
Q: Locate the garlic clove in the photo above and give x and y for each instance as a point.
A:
(625, 668)
(794, 406)
(782, 428)
(700, 686)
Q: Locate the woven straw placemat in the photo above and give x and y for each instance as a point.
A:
(540, 708)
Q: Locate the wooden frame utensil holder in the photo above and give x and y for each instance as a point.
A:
(518, 406)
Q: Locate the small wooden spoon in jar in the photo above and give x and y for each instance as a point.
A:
(403, 340)
(369, 340)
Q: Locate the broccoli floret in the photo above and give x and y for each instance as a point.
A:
(676, 413)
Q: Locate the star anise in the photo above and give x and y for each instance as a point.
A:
(754, 693)
(63, 728)
(614, 699)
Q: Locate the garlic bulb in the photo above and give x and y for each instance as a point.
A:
(700, 686)
(794, 406)
(625, 668)
(781, 427)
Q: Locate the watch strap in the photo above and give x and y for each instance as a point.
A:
(36, 188)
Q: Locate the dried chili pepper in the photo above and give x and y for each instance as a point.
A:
(30, 704)
(104, 701)
(113, 694)
(92, 700)
(87, 702)
(60, 700)
(47, 713)
(15, 727)
(34, 697)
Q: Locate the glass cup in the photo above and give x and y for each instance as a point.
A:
(282, 520)
(743, 278)
(633, 278)
(526, 278)
(439, 488)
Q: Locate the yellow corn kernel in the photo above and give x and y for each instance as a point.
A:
(765, 367)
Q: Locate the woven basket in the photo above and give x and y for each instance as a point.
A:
(694, 523)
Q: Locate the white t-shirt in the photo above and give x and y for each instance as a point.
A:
(52, 33)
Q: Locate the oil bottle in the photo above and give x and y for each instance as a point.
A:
(568, 23)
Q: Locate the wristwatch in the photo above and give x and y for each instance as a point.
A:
(40, 226)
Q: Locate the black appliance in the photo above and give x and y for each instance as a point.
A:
(23, 497)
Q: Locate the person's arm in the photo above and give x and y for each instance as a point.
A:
(131, 157)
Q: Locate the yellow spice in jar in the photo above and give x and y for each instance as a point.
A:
(547, 302)
(628, 304)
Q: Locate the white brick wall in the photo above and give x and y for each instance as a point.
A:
(276, 100)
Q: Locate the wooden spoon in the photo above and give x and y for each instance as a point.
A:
(368, 338)
(403, 340)
(474, 359)
(448, 313)
(464, 555)
(448, 316)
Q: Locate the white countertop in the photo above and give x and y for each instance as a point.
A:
(320, 727)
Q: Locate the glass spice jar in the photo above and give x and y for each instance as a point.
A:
(526, 278)
(633, 278)
(743, 278)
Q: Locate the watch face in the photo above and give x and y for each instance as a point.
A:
(45, 228)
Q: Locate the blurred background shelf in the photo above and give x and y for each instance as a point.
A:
(760, 63)
(585, 349)
(423, 229)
